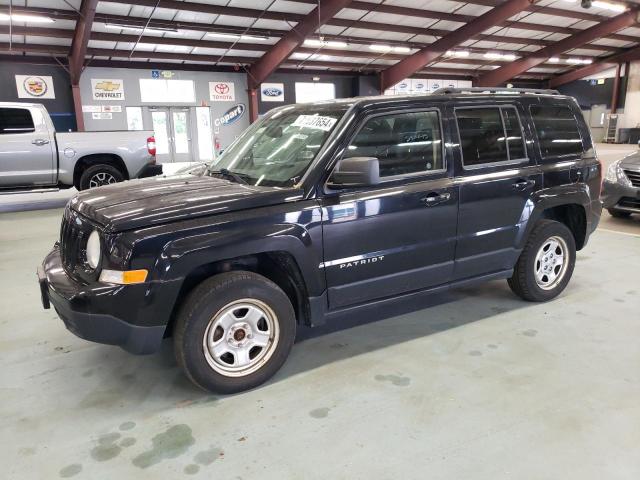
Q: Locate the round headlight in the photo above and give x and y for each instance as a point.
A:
(93, 249)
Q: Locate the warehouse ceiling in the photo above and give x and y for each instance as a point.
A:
(366, 36)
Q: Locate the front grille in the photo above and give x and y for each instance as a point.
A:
(629, 202)
(73, 233)
(634, 176)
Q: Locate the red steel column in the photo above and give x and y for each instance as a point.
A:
(253, 104)
(616, 90)
(77, 106)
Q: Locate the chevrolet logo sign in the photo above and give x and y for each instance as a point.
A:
(107, 86)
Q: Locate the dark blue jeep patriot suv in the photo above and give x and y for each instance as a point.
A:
(325, 208)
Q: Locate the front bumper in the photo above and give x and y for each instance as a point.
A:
(621, 197)
(150, 170)
(74, 303)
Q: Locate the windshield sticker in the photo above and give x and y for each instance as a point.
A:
(314, 121)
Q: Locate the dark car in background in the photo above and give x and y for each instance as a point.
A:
(322, 210)
(621, 188)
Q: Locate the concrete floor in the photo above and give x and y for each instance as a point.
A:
(478, 385)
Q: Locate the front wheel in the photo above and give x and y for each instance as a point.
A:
(234, 332)
(546, 263)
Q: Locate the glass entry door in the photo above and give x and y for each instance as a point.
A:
(172, 130)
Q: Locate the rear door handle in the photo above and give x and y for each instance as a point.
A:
(40, 141)
(523, 184)
(435, 198)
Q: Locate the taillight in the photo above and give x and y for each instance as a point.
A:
(151, 146)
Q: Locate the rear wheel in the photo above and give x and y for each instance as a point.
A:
(618, 213)
(99, 175)
(546, 263)
(234, 332)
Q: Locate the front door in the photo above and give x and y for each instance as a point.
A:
(27, 148)
(397, 236)
(496, 177)
(172, 130)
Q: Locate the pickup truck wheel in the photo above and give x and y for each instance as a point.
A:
(619, 213)
(546, 263)
(234, 332)
(99, 175)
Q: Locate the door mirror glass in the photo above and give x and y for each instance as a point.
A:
(356, 171)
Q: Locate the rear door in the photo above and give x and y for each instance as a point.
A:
(397, 236)
(27, 149)
(496, 176)
(564, 151)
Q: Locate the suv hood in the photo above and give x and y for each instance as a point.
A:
(156, 200)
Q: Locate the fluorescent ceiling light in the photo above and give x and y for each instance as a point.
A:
(554, 59)
(234, 36)
(133, 28)
(500, 56)
(315, 42)
(579, 61)
(401, 49)
(380, 48)
(16, 17)
(458, 53)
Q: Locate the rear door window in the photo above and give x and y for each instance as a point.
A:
(15, 120)
(557, 130)
(490, 135)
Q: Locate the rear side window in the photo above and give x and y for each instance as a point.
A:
(557, 130)
(403, 143)
(490, 135)
(15, 120)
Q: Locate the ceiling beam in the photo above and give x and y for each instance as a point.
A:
(270, 61)
(81, 39)
(150, 60)
(502, 74)
(629, 55)
(374, 26)
(457, 17)
(420, 59)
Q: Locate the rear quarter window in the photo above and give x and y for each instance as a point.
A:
(557, 130)
(15, 120)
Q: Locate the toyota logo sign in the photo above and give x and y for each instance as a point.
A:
(221, 88)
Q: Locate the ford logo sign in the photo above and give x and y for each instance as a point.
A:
(403, 85)
(231, 115)
(420, 85)
(272, 92)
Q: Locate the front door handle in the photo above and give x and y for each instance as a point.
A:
(435, 198)
(40, 141)
(522, 184)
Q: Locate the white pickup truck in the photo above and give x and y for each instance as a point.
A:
(33, 154)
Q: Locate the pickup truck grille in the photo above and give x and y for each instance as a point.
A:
(73, 233)
(634, 176)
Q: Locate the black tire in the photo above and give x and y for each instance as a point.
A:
(618, 213)
(523, 282)
(204, 303)
(100, 170)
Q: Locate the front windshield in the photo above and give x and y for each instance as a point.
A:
(277, 150)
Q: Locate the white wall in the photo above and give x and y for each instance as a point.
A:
(631, 117)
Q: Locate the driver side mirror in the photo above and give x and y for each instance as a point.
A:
(356, 172)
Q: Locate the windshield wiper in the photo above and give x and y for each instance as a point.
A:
(236, 177)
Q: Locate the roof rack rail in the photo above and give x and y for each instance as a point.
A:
(489, 90)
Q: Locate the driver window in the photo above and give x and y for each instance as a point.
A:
(403, 143)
